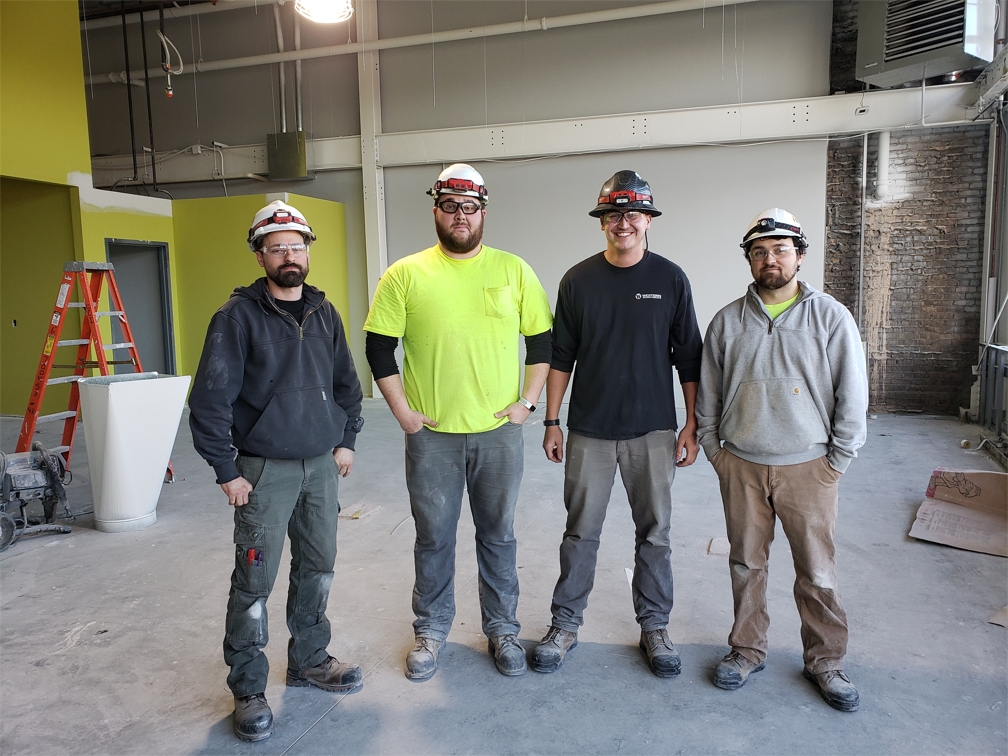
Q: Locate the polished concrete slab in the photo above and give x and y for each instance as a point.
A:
(111, 643)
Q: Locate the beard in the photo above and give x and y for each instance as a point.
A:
(290, 276)
(775, 279)
(459, 245)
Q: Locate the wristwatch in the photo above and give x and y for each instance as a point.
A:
(549, 423)
(526, 404)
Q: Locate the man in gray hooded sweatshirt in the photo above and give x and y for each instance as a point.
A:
(783, 388)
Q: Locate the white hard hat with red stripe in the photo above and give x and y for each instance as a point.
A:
(278, 216)
(774, 222)
(462, 179)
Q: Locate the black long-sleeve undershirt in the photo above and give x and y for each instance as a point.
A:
(380, 352)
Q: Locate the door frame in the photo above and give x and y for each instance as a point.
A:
(161, 248)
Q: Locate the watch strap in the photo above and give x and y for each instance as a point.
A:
(526, 404)
(550, 423)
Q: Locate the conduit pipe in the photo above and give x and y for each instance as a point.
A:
(297, 71)
(283, 78)
(882, 166)
(453, 35)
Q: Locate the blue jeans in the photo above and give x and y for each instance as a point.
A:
(296, 497)
(438, 467)
(647, 466)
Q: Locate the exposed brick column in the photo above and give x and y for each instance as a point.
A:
(923, 259)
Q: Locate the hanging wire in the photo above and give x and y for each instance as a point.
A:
(433, 71)
(486, 107)
(722, 38)
(270, 37)
(87, 44)
(192, 48)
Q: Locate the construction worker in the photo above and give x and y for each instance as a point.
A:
(782, 403)
(625, 318)
(275, 409)
(459, 308)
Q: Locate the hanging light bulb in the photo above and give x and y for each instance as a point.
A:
(324, 11)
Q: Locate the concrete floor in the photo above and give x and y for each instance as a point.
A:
(111, 643)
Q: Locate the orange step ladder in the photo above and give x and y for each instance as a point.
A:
(88, 278)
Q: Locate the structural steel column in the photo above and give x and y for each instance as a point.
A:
(370, 121)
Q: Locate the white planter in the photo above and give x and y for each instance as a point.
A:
(130, 423)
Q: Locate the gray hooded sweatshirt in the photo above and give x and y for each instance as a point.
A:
(784, 391)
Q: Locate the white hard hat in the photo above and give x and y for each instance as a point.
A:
(459, 178)
(774, 222)
(278, 216)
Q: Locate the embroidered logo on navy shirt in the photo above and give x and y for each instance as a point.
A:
(648, 296)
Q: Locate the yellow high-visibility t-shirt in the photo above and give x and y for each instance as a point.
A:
(459, 321)
(777, 309)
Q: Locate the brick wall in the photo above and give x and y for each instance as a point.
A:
(922, 262)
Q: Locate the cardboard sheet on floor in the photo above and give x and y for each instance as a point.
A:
(1000, 618)
(967, 509)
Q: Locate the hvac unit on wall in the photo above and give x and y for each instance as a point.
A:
(900, 41)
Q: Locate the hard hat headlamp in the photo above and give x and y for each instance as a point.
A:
(624, 197)
(764, 225)
(457, 186)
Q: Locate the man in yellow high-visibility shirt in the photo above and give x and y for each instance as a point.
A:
(459, 308)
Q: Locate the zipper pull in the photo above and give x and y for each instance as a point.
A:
(769, 329)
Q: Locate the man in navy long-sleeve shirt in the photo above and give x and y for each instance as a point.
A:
(625, 318)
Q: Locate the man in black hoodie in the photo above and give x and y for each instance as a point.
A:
(275, 410)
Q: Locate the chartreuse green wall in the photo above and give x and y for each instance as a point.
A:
(43, 120)
(212, 259)
(36, 238)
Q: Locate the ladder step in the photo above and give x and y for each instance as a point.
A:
(123, 345)
(72, 342)
(110, 313)
(79, 305)
(56, 416)
(65, 379)
(59, 449)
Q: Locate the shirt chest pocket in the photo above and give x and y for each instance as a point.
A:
(498, 301)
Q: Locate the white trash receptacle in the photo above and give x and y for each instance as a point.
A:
(130, 423)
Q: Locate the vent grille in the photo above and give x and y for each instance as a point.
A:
(918, 26)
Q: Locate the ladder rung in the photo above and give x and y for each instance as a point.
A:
(65, 379)
(123, 345)
(56, 416)
(109, 314)
(59, 449)
(72, 342)
(76, 304)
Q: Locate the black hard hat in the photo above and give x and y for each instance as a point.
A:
(626, 190)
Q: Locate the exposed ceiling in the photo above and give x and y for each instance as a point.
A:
(93, 9)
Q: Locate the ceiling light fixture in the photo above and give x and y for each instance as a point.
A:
(324, 11)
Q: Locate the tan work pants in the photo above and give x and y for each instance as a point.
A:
(804, 497)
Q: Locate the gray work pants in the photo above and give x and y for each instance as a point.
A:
(804, 497)
(438, 467)
(296, 497)
(647, 467)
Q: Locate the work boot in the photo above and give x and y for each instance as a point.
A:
(508, 654)
(661, 654)
(549, 655)
(421, 662)
(732, 672)
(836, 689)
(331, 674)
(253, 719)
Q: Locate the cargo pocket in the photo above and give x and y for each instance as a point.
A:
(498, 301)
(250, 559)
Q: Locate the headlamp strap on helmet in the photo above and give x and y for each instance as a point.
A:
(623, 197)
(459, 185)
(769, 224)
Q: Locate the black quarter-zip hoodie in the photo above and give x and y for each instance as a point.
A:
(270, 386)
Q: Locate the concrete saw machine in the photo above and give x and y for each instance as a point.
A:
(35, 475)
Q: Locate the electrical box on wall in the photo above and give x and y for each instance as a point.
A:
(287, 156)
(900, 41)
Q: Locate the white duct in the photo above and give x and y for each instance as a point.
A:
(882, 167)
(454, 35)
